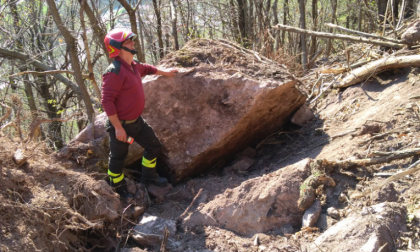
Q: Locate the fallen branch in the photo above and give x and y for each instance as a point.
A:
(365, 72)
(382, 135)
(338, 36)
(345, 164)
(317, 54)
(188, 208)
(49, 72)
(165, 240)
(344, 133)
(410, 170)
(329, 85)
(334, 26)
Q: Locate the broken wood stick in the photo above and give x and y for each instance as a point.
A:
(317, 54)
(344, 164)
(384, 134)
(334, 26)
(338, 36)
(365, 72)
(192, 203)
(165, 240)
(49, 72)
(410, 170)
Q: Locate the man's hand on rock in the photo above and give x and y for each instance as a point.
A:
(169, 72)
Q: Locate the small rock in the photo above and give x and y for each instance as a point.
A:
(287, 229)
(157, 191)
(140, 192)
(138, 211)
(333, 213)
(325, 222)
(248, 152)
(302, 116)
(386, 194)
(16, 176)
(150, 231)
(19, 157)
(256, 242)
(241, 165)
(311, 214)
(131, 187)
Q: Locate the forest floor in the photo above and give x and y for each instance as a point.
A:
(39, 198)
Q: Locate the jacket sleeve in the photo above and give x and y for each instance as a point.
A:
(111, 87)
(146, 69)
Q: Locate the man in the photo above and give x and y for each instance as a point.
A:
(123, 101)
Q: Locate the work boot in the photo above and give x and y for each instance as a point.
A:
(121, 189)
(149, 175)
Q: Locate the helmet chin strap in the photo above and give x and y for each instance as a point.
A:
(134, 52)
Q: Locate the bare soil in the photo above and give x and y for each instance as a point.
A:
(40, 200)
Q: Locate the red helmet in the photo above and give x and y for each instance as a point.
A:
(114, 39)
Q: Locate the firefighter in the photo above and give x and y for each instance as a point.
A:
(123, 101)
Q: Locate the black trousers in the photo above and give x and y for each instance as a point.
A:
(142, 133)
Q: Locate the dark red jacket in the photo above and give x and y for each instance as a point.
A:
(122, 89)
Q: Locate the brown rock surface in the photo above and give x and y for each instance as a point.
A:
(257, 205)
(222, 101)
(218, 108)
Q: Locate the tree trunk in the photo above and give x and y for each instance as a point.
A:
(233, 20)
(132, 17)
(302, 21)
(241, 18)
(333, 18)
(285, 16)
(173, 21)
(156, 7)
(313, 46)
(88, 59)
(276, 21)
(97, 27)
(71, 44)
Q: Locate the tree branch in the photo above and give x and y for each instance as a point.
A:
(338, 36)
(5, 53)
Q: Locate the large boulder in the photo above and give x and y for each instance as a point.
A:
(224, 99)
(257, 205)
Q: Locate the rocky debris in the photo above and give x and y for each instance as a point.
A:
(16, 176)
(19, 157)
(149, 232)
(333, 213)
(242, 164)
(311, 214)
(374, 228)
(325, 222)
(159, 192)
(386, 193)
(302, 116)
(412, 33)
(257, 205)
(132, 250)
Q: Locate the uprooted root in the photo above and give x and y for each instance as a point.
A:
(309, 186)
(321, 167)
